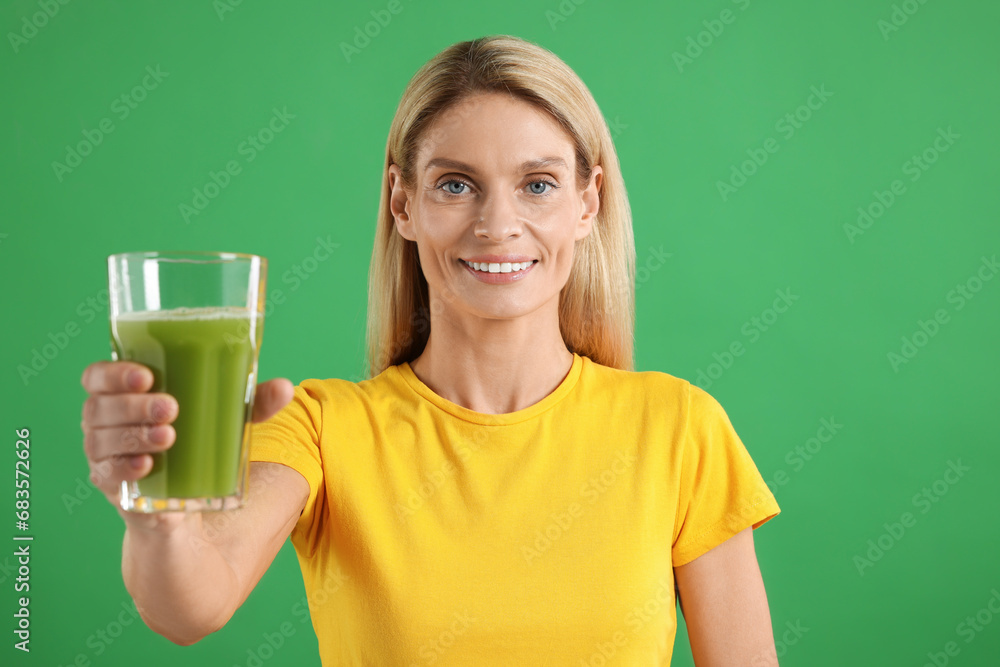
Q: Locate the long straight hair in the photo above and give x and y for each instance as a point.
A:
(597, 304)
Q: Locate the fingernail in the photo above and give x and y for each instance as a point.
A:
(135, 379)
(163, 409)
(158, 435)
(137, 462)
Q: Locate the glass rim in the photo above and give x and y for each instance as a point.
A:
(191, 256)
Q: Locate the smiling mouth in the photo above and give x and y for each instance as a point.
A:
(499, 267)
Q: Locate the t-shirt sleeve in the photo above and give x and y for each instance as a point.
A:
(721, 490)
(292, 437)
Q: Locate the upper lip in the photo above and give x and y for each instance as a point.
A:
(499, 259)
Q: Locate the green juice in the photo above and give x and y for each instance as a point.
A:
(203, 357)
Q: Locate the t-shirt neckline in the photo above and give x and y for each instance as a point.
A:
(560, 392)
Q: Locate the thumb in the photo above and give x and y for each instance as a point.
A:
(271, 397)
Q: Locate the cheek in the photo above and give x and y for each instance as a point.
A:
(438, 238)
(440, 241)
(560, 231)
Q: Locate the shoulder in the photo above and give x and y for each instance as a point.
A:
(657, 391)
(323, 390)
(651, 384)
(340, 394)
(654, 397)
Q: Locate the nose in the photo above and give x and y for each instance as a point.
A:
(498, 219)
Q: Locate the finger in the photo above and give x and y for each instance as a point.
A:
(103, 443)
(108, 475)
(102, 410)
(116, 377)
(271, 397)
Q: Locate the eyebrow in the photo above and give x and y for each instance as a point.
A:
(527, 165)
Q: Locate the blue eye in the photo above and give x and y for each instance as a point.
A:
(449, 185)
(457, 187)
(536, 190)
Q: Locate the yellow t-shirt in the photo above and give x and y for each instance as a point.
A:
(437, 535)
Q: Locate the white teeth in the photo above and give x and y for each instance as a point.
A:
(494, 267)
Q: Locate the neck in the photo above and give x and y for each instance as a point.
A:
(494, 366)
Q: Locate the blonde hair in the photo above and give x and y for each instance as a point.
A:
(597, 304)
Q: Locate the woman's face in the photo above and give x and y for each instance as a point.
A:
(495, 184)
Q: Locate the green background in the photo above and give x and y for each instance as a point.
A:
(680, 128)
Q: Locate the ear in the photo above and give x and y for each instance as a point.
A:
(591, 198)
(399, 204)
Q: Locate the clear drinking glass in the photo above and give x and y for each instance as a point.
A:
(196, 320)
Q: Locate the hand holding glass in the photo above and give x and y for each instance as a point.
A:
(196, 321)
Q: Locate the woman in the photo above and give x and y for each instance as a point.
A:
(504, 488)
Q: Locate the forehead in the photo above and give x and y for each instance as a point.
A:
(494, 129)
